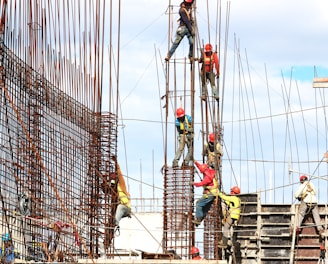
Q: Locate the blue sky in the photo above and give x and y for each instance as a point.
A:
(275, 44)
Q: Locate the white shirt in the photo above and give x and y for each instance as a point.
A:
(307, 192)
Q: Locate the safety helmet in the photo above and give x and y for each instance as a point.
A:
(5, 237)
(188, 1)
(208, 47)
(180, 112)
(235, 190)
(194, 250)
(202, 167)
(211, 137)
(303, 178)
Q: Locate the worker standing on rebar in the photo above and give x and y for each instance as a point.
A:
(213, 152)
(210, 69)
(185, 130)
(306, 194)
(210, 192)
(231, 207)
(185, 29)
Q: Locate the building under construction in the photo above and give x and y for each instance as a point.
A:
(58, 148)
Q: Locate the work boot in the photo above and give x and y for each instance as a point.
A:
(298, 230)
(197, 221)
(167, 58)
(175, 164)
(216, 97)
(203, 97)
(117, 230)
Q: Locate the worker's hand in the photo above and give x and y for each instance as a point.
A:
(191, 183)
(218, 76)
(189, 129)
(299, 198)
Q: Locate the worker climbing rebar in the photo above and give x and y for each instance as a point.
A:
(210, 192)
(231, 206)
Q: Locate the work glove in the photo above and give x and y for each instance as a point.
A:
(299, 198)
(218, 76)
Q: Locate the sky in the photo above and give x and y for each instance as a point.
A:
(277, 44)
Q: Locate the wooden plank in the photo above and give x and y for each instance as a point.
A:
(320, 82)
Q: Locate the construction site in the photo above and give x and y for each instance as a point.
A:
(59, 148)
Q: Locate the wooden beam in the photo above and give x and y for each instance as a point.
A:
(320, 82)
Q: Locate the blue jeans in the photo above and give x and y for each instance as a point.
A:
(203, 205)
(121, 211)
(179, 35)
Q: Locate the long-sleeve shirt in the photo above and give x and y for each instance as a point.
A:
(233, 202)
(185, 17)
(209, 182)
(306, 192)
(210, 62)
(181, 126)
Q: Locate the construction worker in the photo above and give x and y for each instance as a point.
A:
(195, 253)
(210, 69)
(185, 130)
(210, 192)
(212, 153)
(185, 29)
(7, 250)
(123, 209)
(307, 196)
(231, 212)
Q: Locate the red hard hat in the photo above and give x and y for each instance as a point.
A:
(180, 112)
(303, 178)
(188, 1)
(235, 190)
(211, 137)
(194, 250)
(208, 47)
(202, 167)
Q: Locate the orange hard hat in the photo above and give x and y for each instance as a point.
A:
(235, 190)
(303, 178)
(211, 137)
(208, 47)
(180, 112)
(194, 250)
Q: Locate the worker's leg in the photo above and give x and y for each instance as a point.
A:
(207, 205)
(316, 217)
(301, 213)
(189, 156)
(179, 152)
(180, 33)
(200, 204)
(211, 77)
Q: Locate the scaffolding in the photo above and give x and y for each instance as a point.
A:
(55, 155)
